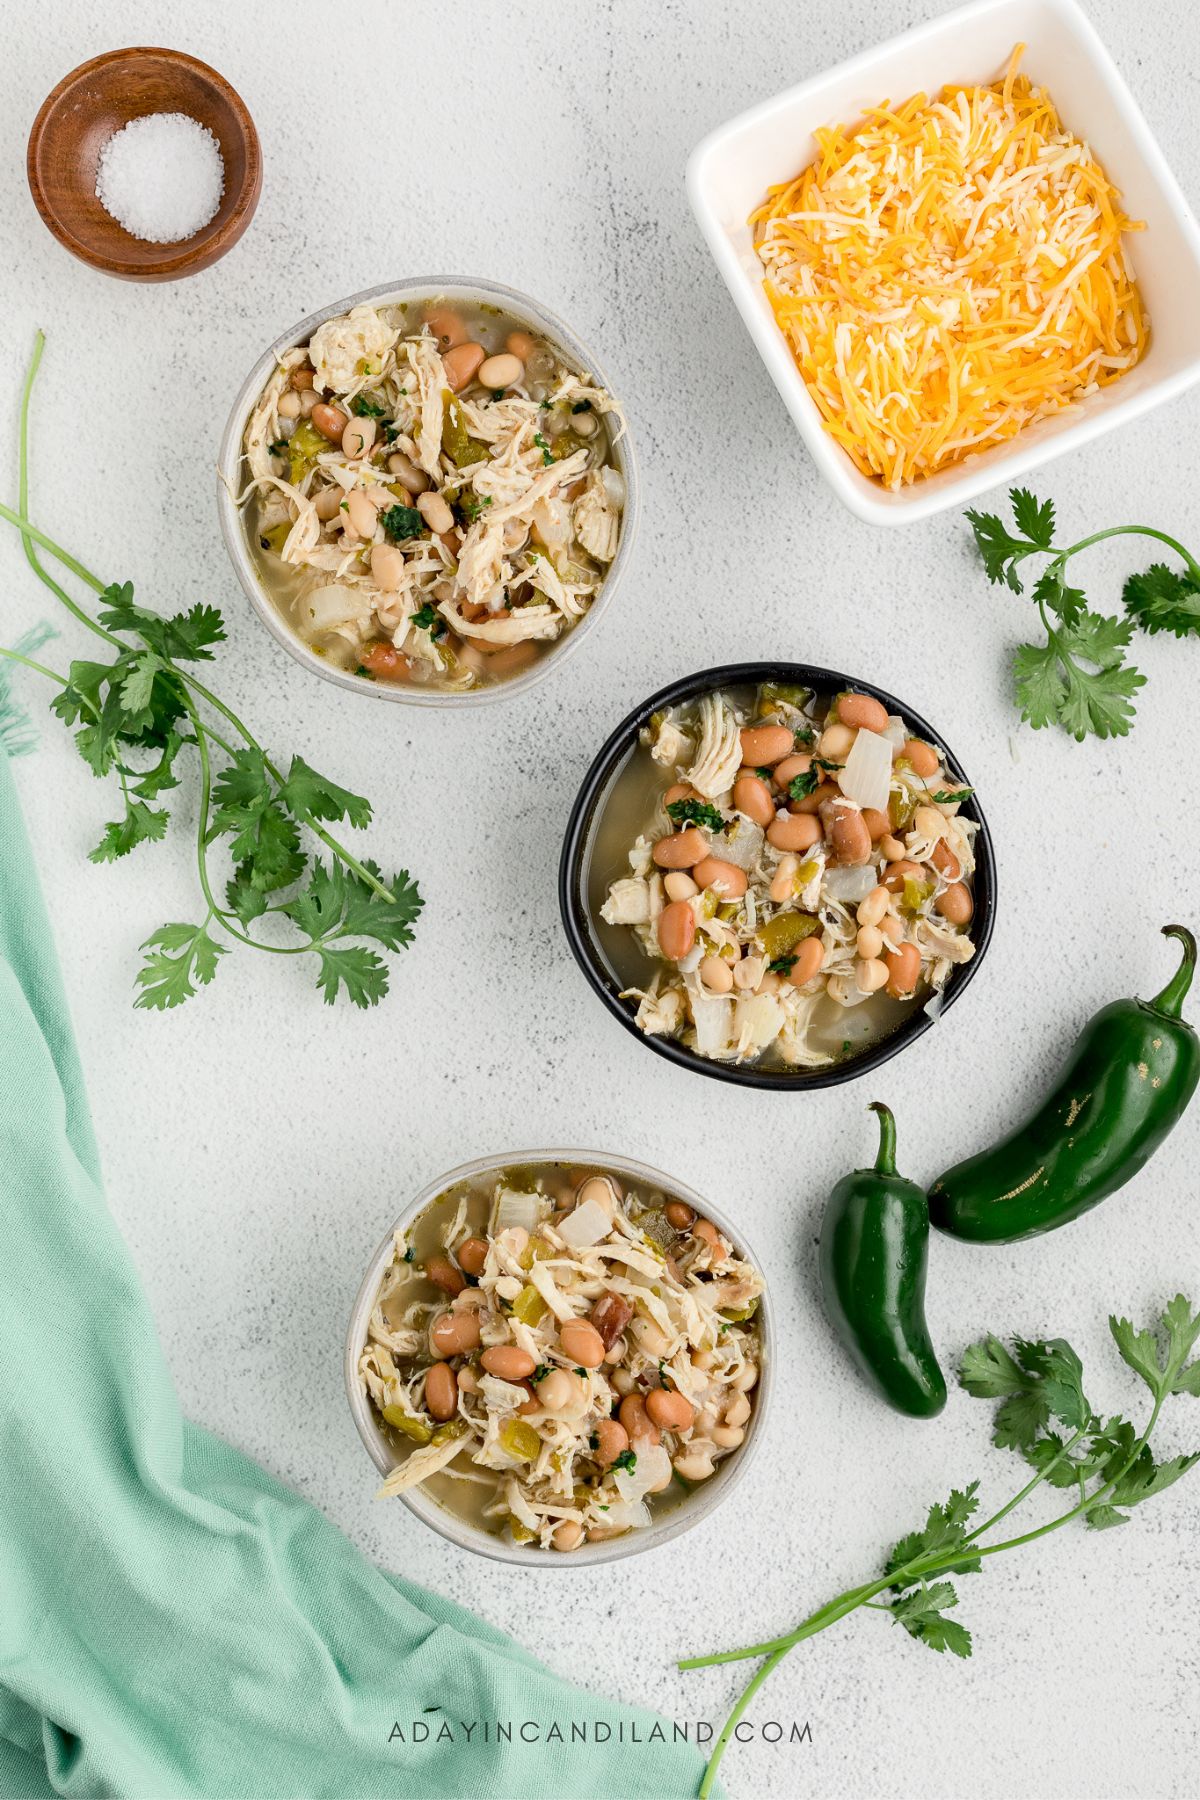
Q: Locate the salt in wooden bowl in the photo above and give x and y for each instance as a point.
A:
(98, 99)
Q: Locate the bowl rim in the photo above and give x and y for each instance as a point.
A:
(1002, 464)
(229, 457)
(161, 261)
(572, 897)
(689, 1512)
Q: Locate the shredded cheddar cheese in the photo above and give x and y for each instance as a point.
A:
(949, 271)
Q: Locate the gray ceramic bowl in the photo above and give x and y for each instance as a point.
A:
(230, 483)
(703, 1501)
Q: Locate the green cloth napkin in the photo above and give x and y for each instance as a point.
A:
(173, 1621)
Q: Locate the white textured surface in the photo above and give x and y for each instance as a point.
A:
(256, 1144)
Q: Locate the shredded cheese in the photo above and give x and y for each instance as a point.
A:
(947, 272)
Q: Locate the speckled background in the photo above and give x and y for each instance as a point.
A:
(257, 1144)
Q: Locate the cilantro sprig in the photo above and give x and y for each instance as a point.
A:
(133, 714)
(1045, 1416)
(1080, 677)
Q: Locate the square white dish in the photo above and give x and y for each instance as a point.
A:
(729, 173)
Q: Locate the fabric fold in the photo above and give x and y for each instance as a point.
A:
(173, 1621)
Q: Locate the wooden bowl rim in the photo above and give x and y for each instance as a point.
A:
(148, 259)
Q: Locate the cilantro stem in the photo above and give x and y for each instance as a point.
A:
(326, 837)
(39, 668)
(1098, 537)
(920, 1567)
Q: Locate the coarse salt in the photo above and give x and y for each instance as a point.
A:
(161, 177)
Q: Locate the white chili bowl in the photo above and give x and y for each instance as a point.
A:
(231, 480)
(666, 1525)
(731, 170)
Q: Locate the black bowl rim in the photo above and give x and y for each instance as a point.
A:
(574, 912)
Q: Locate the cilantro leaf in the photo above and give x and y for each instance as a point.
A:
(922, 1612)
(944, 1530)
(262, 836)
(141, 824)
(338, 903)
(1000, 550)
(181, 637)
(696, 812)
(359, 971)
(1053, 686)
(402, 523)
(804, 784)
(1035, 518)
(1162, 1368)
(312, 796)
(136, 685)
(178, 957)
(1162, 600)
(150, 783)
(952, 796)
(1051, 590)
(363, 407)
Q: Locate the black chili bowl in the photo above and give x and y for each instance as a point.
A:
(574, 868)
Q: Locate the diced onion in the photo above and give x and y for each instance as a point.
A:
(587, 1225)
(513, 1208)
(850, 885)
(741, 844)
(867, 775)
(896, 732)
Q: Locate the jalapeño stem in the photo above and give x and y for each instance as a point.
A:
(1170, 1001)
(885, 1161)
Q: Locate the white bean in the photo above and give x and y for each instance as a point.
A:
(435, 512)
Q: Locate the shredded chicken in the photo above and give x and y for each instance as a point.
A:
(781, 970)
(616, 1317)
(526, 505)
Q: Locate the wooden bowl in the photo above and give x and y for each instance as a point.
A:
(99, 98)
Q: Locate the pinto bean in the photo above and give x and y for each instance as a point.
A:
(582, 1343)
(461, 364)
(900, 872)
(678, 885)
(904, 969)
(752, 796)
(726, 877)
(330, 421)
(612, 1440)
(785, 772)
(794, 831)
(676, 930)
(454, 1333)
(847, 832)
(682, 850)
(507, 1362)
(472, 1254)
(442, 1272)
(568, 1535)
(809, 957)
(679, 1215)
(636, 1419)
(610, 1315)
(923, 757)
(835, 743)
(945, 861)
(877, 823)
(679, 790)
(668, 1410)
(862, 712)
(812, 803)
(441, 1391)
(765, 745)
(955, 904)
(447, 327)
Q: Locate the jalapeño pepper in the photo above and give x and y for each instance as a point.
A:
(874, 1249)
(1127, 1081)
